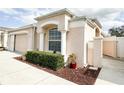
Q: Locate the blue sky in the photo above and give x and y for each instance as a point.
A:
(16, 17)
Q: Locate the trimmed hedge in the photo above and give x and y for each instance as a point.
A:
(48, 59)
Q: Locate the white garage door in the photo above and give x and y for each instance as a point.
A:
(21, 43)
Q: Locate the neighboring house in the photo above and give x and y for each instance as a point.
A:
(22, 39)
(61, 31)
(3, 36)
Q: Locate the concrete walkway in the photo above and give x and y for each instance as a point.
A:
(14, 72)
(112, 72)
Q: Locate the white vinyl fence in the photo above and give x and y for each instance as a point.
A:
(120, 47)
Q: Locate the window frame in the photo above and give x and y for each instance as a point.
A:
(59, 40)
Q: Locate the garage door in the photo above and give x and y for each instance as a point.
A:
(21, 43)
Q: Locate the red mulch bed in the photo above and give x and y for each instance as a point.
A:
(81, 76)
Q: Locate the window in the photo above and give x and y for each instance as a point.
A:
(54, 40)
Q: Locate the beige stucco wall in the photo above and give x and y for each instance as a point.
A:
(75, 43)
(79, 33)
(109, 46)
(90, 53)
(36, 47)
(37, 40)
(89, 34)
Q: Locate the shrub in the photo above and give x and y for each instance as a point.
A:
(48, 59)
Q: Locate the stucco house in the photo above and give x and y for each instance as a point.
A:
(3, 36)
(61, 31)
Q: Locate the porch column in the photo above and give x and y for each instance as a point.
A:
(12, 42)
(5, 39)
(63, 44)
(41, 41)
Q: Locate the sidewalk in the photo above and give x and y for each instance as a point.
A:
(14, 72)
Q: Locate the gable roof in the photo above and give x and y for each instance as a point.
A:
(4, 28)
(23, 27)
(55, 13)
(59, 12)
(91, 20)
(78, 18)
(97, 22)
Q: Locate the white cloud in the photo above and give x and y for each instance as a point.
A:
(25, 15)
(93, 12)
(108, 17)
(114, 23)
(9, 11)
(28, 14)
(33, 13)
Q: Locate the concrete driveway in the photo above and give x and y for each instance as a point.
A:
(112, 72)
(14, 72)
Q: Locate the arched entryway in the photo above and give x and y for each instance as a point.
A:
(52, 38)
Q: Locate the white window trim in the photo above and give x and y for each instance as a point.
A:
(53, 40)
